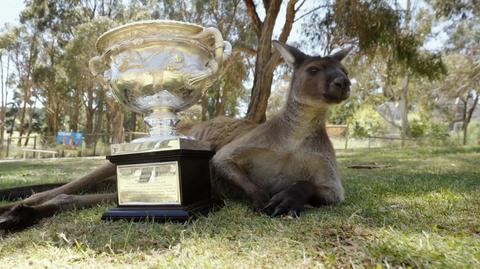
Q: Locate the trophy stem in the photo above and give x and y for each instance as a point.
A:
(162, 122)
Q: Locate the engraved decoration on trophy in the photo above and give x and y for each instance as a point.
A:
(158, 68)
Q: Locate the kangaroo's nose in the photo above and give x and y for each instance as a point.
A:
(341, 83)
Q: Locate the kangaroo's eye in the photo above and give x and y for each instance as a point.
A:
(313, 70)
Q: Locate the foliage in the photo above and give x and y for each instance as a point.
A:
(375, 27)
(418, 128)
(367, 122)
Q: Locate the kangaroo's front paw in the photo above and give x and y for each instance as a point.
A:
(18, 217)
(259, 200)
(284, 203)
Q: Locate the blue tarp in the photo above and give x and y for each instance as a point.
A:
(69, 138)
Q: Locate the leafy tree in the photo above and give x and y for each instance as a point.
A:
(464, 41)
(382, 30)
(7, 41)
(462, 85)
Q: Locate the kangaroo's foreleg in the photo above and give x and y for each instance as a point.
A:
(22, 216)
(291, 201)
(228, 170)
(99, 174)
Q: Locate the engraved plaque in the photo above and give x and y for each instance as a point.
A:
(149, 184)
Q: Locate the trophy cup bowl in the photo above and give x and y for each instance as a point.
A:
(159, 68)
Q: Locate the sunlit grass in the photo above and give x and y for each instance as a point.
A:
(21, 173)
(420, 212)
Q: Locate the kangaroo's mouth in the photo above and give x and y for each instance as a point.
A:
(337, 96)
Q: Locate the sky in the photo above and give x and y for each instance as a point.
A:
(10, 11)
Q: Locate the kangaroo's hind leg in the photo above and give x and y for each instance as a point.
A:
(43, 204)
(22, 216)
(82, 183)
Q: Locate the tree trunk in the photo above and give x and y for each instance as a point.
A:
(3, 102)
(75, 111)
(262, 81)
(22, 123)
(12, 126)
(467, 117)
(220, 104)
(55, 121)
(29, 124)
(115, 118)
(404, 101)
(90, 111)
(266, 59)
(99, 116)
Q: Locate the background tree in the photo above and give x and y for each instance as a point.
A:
(462, 20)
(386, 30)
(7, 41)
(461, 86)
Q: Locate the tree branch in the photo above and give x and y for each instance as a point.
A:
(232, 18)
(290, 16)
(245, 49)
(287, 28)
(470, 111)
(390, 121)
(257, 23)
(300, 6)
(266, 4)
(309, 12)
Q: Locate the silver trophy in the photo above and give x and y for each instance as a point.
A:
(160, 68)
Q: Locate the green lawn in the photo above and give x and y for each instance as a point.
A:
(424, 211)
(22, 173)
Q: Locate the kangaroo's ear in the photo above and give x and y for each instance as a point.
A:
(341, 54)
(292, 56)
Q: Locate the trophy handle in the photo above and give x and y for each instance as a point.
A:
(222, 50)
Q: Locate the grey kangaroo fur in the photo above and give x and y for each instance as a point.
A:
(279, 166)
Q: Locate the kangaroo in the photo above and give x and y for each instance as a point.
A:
(279, 166)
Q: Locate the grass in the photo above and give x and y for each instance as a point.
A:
(22, 173)
(421, 212)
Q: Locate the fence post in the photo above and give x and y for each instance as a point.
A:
(35, 146)
(369, 141)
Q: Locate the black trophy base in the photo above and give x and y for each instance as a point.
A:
(163, 213)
